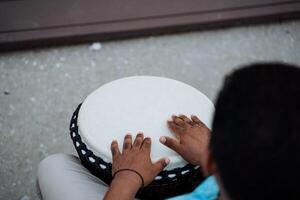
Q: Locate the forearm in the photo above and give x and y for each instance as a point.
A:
(123, 188)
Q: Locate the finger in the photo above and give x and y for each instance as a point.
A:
(147, 144)
(174, 127)
(171, 143)
(138, 140)
(196, 120)
(186, 119)
(161, 164)
(178, 121)
(127, 144)
(115, 149)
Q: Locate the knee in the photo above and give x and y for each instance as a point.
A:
(54, 164)
(52, 160)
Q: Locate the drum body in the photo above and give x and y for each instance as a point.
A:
(135, 104)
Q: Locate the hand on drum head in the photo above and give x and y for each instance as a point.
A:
(135, 157)
(193, 138)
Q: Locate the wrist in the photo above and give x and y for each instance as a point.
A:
(201, 161)
(128, 181)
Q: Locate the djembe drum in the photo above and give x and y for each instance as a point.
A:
(131, 105)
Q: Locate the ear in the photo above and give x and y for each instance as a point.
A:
(209, 166)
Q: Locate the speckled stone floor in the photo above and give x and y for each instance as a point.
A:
(39, 89)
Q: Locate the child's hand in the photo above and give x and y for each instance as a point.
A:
(135, 156)
(132, 168)
(193, 138)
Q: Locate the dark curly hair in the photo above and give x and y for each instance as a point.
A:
(256, 132)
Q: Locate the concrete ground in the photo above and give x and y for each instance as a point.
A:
(39, 89)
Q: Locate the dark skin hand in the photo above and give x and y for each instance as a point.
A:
(134, 156)
(192, 143)
(192, 138)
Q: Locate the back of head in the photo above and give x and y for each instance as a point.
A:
(256, 132)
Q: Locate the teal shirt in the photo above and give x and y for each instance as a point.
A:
(208, 190)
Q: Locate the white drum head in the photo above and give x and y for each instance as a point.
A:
(139, 104)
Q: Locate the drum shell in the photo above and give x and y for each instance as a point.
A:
(168, 186)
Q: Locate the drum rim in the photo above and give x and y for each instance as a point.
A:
(163, 177)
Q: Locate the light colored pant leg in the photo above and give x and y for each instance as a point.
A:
(62, 177)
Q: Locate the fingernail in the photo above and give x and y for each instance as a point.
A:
(140, 134)
(167, 160)
(162, 139)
